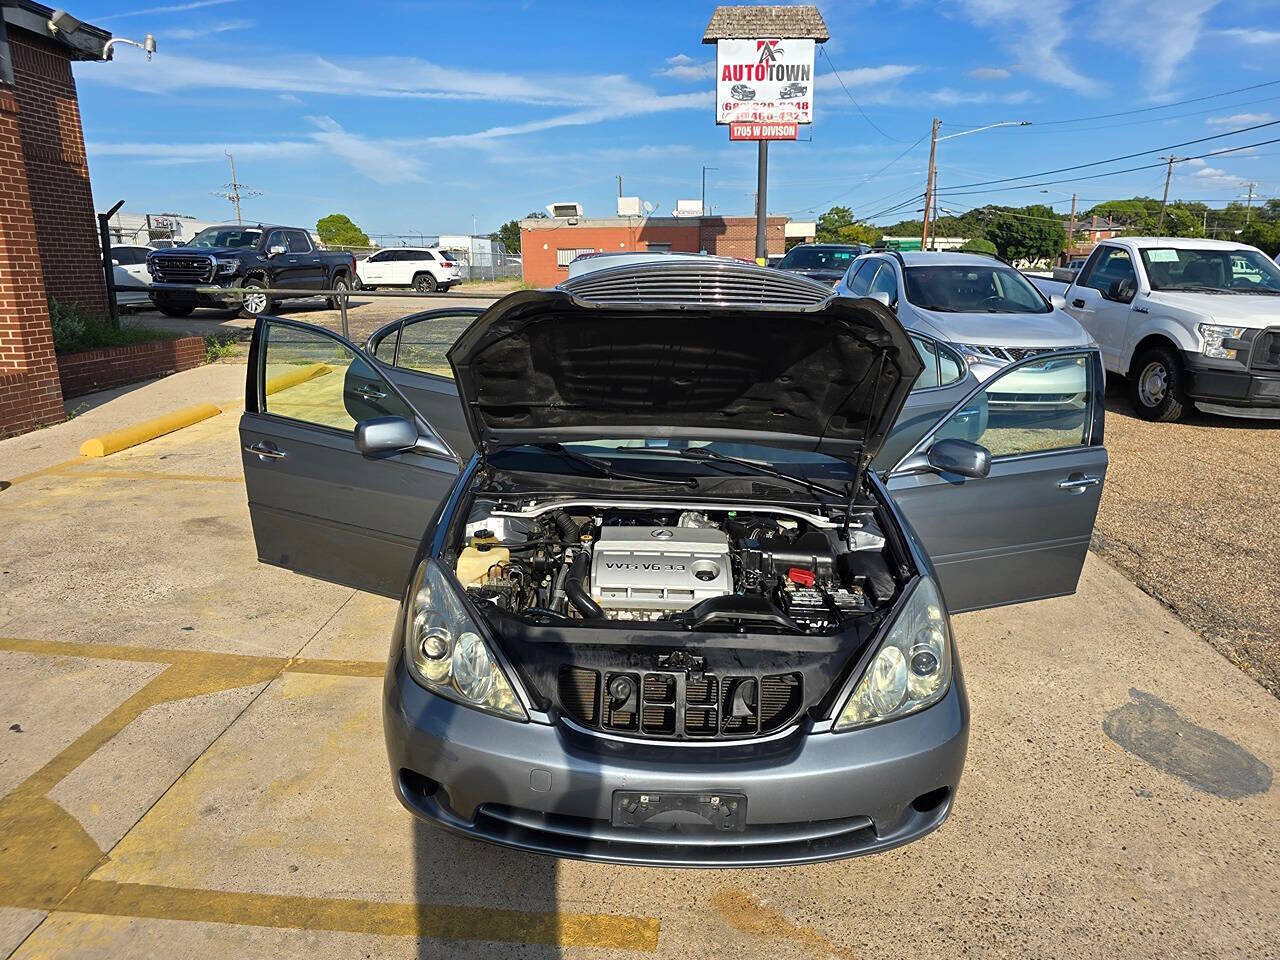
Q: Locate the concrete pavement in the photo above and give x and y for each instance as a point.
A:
(193, 764)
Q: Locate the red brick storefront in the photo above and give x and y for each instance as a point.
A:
(547, 246)
(48, 238)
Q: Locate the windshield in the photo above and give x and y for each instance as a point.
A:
(965, 288)
(1224, 271)
(226, 237)
(819, 258)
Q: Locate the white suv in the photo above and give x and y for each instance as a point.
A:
(425, 270)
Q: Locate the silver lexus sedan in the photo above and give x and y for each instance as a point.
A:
(657, 605)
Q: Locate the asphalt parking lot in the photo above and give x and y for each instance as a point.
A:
(193, 764)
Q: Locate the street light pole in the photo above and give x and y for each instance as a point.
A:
(762, 180)
(928, 184)
(705, 168)
(931, 183)
(1168, 175)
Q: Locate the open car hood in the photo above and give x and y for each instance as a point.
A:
(714, 353)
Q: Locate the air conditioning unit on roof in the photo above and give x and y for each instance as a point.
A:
(564, 210)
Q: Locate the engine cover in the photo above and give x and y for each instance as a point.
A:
(659, 569)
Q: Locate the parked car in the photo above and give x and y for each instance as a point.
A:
(1068, 273)
(129, 270)
(824, 262)
(662, 612)
(793, 90)
(740, 91)
(422, 269)
(1184, 321)
(984, 310)
(256, 258)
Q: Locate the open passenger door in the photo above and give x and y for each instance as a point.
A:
(322, 502)
(1022, 531)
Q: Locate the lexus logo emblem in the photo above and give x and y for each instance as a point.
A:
(662, 533)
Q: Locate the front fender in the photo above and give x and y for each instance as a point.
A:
(1171, 324)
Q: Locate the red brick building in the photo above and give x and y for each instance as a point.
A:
(548, 245)
(48, 228)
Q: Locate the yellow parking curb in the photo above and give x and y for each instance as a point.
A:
(286, 380)
(118, 440)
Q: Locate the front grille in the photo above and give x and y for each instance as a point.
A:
(1264, 354)
(1006, 354)
(676, 706)
(172, 268)
(713, 283)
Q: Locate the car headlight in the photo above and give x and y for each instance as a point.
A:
(228, 265)
(1214, 335)
(981, 355)
(912, 668)
(446, 652)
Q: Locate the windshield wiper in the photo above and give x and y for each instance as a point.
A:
(606, 469)
(703, 455)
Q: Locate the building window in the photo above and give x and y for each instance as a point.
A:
(658, 247)
(566, 256)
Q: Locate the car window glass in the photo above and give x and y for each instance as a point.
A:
(1032, 407)
(380, 257)
(972, 288)
(385, 349)
(950, 366)
(127, 256)
(298, 242)
(424, 342)
(929, 354)
(886, 281)
(861, 278)
(1089, 264)
(276, 239)
(312, 377)
(1113, 264)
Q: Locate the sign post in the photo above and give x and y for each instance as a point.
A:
(764, 82)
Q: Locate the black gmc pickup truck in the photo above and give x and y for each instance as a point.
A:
(257, 257)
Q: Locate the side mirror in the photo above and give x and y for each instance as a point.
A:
(383, 435)
(883, 298)
(275, 250)
(115, 262)
(1122, 290)
(962, 457)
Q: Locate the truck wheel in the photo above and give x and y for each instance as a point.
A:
(254, 304)
(424, 283)
(175, 308)
(339, 283)
(1157, 385)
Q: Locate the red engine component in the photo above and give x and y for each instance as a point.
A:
(801, 577)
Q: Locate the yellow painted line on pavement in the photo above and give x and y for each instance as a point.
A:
(42, 472)
(284, 381)
(118, 440)
(72, 471)
(437, 921)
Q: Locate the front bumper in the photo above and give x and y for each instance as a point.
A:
(1226, 386)
(549, 789)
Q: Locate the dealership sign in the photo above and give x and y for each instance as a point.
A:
(762, 131)
(767, 82)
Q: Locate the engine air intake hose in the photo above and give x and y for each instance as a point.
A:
(577, 592)
(565, 526)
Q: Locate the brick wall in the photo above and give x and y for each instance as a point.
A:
(736, 236)
(92, 370)
(29, 393)
(57, 173)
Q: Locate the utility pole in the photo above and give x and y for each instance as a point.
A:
(235, 187)
(235, 191)
(929, 184)
(1248, 208)
(762, 218)
(1071, 230)
(705, 168)
(619, 186)
(1168, 175)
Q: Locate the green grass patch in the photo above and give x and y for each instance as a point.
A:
(220, 346)
(76, 330)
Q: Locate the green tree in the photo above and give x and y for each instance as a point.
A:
(859, 233)
(831, 223)
(1026, 233)
(509, 232)
(979, 245)
(337, 230)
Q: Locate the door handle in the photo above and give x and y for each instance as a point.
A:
(1078, 483)
(1077, 302)
(265, 450)
(370, 392)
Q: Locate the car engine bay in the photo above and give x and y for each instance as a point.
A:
(694, 566)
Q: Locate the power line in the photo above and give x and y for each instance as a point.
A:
(870, 177)
(1110, 173)
(827, 56)
(1127, 156)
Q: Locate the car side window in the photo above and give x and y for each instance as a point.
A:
(942, 365)
(861, 279)
(1031, 407)
(1113, 264)
(312, 377)
(425, 341)
(298, 241)
(886, 281)
(276, 239)
(379, 257)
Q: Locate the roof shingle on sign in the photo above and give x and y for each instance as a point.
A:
(801, 22)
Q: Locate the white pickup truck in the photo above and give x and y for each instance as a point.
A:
(1184, 321)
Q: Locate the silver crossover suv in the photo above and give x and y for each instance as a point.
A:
(656, 605)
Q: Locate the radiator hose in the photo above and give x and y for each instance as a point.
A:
(577, 592)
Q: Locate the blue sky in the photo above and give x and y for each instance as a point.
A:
(417, 117)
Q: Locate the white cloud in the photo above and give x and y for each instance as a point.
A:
(377, 161)
(866, 76)
(196, 33)
(1240, 120)
(1252, 36)
(1034, 34)
(949, 97)
(681, 67)
(989, 73)
(680, 60)
(1160, 41)
(204, 152)
(171, 8)
(288, 98)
